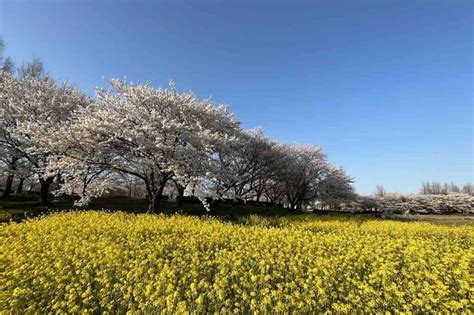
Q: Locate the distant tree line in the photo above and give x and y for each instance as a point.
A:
(433, 198)
(419, 203)
(435, 188)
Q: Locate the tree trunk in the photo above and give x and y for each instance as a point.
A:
(8, 185)
(154, 202)
(44, 190)
(58, 180)
(294, 206)
(291, 206)
(179, 198)
(10, 177)
(19, 188)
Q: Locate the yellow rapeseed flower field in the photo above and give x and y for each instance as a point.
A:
(97, 262)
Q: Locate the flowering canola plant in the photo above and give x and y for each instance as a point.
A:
(97, 262)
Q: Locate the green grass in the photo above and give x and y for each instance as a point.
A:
(18, 208)
(449, 219)
(21, 207)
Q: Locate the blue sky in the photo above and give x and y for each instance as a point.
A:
(385, 87)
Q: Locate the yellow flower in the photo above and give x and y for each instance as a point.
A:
(90, 262)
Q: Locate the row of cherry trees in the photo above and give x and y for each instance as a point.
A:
(155, 136)
(388, 203)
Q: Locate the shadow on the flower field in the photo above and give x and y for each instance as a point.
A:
(20, 208)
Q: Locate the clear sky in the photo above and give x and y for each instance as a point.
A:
(384, 87)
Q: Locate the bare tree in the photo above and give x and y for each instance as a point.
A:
(435, 188)
(380, 191)
(33, 69)
(468, 189)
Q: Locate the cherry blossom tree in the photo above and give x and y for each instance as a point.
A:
(8, 160)
(152, 134)
(244, 167)
(335, 187)
(303, 173)
(426, 203)
(32, 111)
(309, 177)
